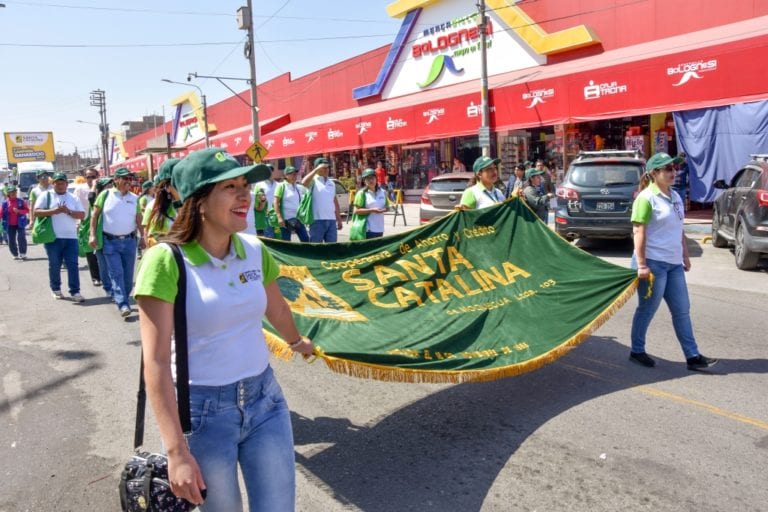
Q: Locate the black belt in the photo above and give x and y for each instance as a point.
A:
(110, 236)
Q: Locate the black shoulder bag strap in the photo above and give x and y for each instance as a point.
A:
(182, 362)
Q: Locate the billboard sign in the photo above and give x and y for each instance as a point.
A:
(29, 147)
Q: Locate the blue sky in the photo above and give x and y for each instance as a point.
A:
(46, 88)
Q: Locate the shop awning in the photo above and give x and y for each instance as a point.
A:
(135, 164)
(238, 140)
(713, 67)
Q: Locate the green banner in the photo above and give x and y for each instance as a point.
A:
(477, 295)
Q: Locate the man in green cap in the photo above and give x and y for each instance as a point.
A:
(118, 238)
(325, 206)
(288, 195)
(65, 211)
(484, 193)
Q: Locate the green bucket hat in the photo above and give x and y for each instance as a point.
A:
(147, 185)
(321, 160)
(9, 189)
(166, 170)
(290, 170)
(122, 172)
(212, 165)
(42, 172)
(660, 160)
(368, 172)
(483, 162)
(529, 173)
(59, 176)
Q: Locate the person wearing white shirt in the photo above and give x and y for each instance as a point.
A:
(371, 201)
(325, 206)
(121, 218)
(265, 191)
(286, 204)
(65, 211)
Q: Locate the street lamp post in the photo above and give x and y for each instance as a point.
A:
(205, 107)
(76, 155)
(100, 146)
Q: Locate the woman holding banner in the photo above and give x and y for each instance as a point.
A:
(484, 193)
(661, 251)
(371, 202)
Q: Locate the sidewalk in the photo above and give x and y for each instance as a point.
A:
(698, 223)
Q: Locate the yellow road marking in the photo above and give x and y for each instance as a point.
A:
(658, 393)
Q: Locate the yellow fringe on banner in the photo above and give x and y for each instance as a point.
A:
(410, 375)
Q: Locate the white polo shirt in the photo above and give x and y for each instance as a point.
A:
(663, 217)
(119, 211)
(323, 193)
(226, 302)
(65, 226)
(291, 197)
(376, 199)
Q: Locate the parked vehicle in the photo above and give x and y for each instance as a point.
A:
(342, 196)
(443, 194)
(740, 213)
(26, 174)
(596, 195)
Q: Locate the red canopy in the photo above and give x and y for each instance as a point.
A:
(708, 68)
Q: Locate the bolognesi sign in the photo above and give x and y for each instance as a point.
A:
(29, 147)
(460, 299)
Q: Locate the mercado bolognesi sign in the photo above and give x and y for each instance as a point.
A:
(477, 295)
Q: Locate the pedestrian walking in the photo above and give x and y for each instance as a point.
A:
(161, 212)
(43, 185)
(483, 193)
(288, 195)
(533, 195)
(265, 194)
(661, 251)
(516, 182)
(97, 255)
(239, 415)
(65, 211)
(115, 220)
(15, 220)
(371, 202)
(325, 206)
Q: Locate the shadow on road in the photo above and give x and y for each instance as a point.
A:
(445, 451)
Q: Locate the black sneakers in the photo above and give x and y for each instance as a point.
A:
(700, 361)
(643, 359)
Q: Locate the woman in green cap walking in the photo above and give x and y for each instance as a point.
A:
(538, 201)
(484, 193)
(371, 202)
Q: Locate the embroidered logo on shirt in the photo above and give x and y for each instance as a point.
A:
(250, 275)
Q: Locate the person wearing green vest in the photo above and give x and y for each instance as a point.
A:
(484, 193)
(95, 258)
(371, 202)
(288, 195)
(264, 194)
(533, 195)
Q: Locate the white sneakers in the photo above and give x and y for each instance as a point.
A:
(125, 311)
(75, 297)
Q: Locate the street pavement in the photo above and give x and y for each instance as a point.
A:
(590, 432)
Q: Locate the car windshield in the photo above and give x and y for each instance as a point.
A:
(453, 185)
(27, 180)
(604, 175)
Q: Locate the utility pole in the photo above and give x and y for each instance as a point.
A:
(245, 22)
(98, 99)
(484, 134)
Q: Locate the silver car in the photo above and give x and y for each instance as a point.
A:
(443, 194)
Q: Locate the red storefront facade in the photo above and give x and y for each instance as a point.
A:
(635, 60)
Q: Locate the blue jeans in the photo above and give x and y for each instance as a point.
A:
(120, 256)
(323, 231)
(63, 249)
(296, 227)
(669, 284)
(17, 240)
(106, 282)
(247, 422)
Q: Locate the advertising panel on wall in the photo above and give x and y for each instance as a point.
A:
(29, 147)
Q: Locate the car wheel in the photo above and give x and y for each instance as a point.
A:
(717, 238)
(745, 259)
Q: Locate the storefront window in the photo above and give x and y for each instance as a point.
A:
(419, 165)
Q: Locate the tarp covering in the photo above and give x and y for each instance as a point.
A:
(477, 295)
(718, 142)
